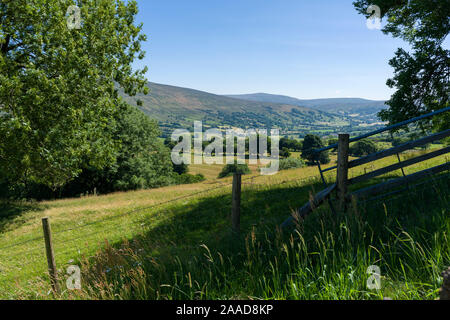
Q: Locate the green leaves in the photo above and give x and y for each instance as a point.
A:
(311, 143)
(363, 147)
(421, 77)
(412, 20)
(57, 102)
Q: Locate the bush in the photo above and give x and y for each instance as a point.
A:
(230, 169)
(290, 144)
(311, 143)
(324, 157)
(285, 153)
(180, 168)
(363, 147)
(291, 163)
(333, 141)
(186, 178)
(142, 162)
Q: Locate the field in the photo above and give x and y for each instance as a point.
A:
(176, 243)
(177, 107)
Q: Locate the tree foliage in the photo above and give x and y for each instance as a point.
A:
(421, 77)
(285, 153)
(291, 144)
(58, 86)
(363, 147)
(311, 143)
(141, 161)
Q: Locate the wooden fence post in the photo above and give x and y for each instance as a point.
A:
(342, 168)
(50, 256)
(236, 202)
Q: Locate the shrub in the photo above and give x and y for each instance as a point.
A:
(363, 147)
(291, 163)
(180, 168)
(333, 141)
(230, 169)
(285, 153)
(311, 143)
(324, 157)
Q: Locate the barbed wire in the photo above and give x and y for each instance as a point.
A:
(125, 214)
(117, 216)
(37, 260)
(21, 243)
(41, 247)
(126, 227)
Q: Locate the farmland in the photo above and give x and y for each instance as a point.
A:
(175, 242)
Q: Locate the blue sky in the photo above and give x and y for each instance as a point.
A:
(301, 48)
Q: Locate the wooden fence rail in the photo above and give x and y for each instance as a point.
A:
(399, 165)
(376, 189)
(403, 147)
(343, 165)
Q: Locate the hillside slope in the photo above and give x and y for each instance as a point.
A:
(366, 109)
(177, 107)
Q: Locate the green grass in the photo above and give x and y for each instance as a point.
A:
(185, 249)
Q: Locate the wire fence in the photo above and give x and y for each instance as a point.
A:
(133, 212)
(32, 260)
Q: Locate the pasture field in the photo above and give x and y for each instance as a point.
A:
(175, 242)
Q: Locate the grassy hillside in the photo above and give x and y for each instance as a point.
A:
(361, 109)
(177, 107)
(176, 243)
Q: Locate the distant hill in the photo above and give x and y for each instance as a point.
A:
(356, 107)
(177, 107)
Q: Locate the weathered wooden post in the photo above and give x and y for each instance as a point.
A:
(342, 168)
(236, 202)
(50, 256)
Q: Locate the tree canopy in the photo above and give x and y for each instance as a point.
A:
(311, 143)
(421, 77)
(58, 85)
(363, 147)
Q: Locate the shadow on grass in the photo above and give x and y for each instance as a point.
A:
(172, 248)
(186, 226)
(12, 213)
(207, 221)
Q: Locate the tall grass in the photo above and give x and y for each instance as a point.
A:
(184, 249)
(325, 256)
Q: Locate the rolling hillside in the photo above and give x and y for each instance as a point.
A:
(355, 107)
(176, 107)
